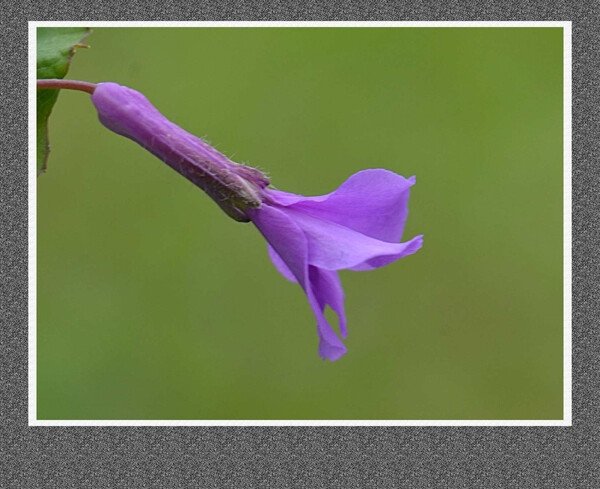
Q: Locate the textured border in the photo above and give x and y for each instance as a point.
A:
(300, 457)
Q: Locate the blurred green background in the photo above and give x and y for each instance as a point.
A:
(153, 304)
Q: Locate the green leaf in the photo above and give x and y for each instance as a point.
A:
(55, 48)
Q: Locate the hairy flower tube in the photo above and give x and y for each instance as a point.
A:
(356, 227)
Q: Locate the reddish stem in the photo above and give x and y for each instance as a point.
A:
(67, 84)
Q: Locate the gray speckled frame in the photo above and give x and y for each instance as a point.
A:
(297, 456)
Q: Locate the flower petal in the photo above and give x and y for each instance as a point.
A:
(410, 247)
(373, 202)
(335, 247)
(328, 291)
(280, 265)
(290, 243)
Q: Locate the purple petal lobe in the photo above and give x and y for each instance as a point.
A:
(328, 291)
(372, 202)
(289, 242)
(285, 237)
(410, 247)
(335, 247)
(280, 264)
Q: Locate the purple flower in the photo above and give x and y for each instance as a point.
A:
(357, 227)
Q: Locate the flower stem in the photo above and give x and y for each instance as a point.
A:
(55, 83)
